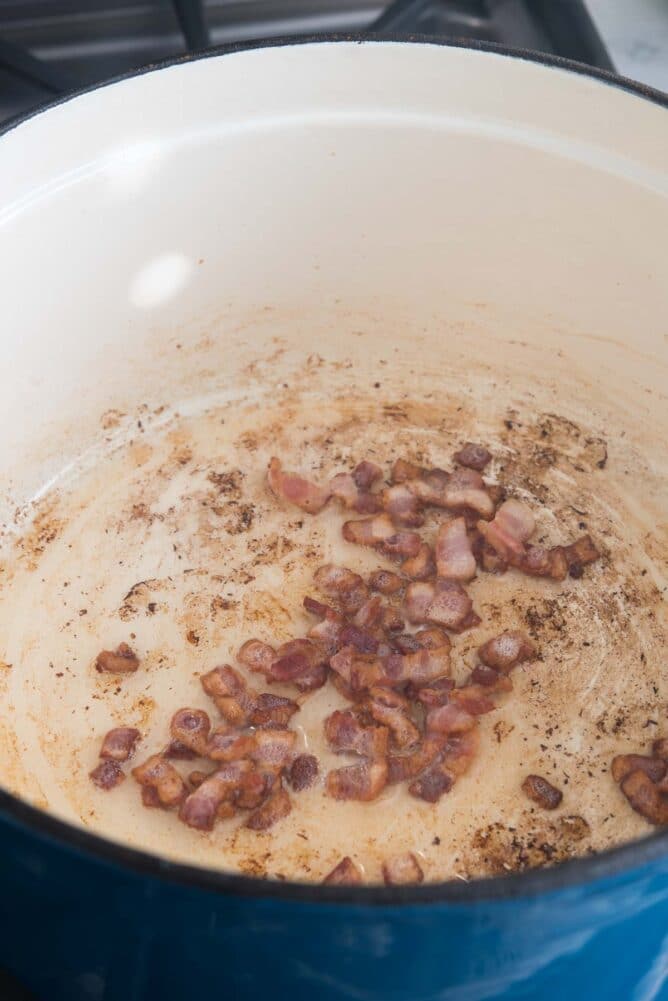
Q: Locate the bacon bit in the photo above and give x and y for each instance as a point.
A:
(473, 699)
(230, 745)
(466, 489)
(342, 585)
(473, 456)
(402, 505)
(196, 778)
(452, 762)
(270, 708)
(407, 766)
(435, 694)
(178, 751)
(295, 658)
(303, 772)
(454, 557)
(505, 651)
(654, 768)
(370, 613)
(433, 784)
(253, 789)
(422, 565)
(449, 719)
(485, 555)
(493, 681)
(191, 728)
(460, 751)
(122, 660)
(579, 554)
(295, 489)
(200, 808)
(391, 621)
(228, 689)
(257, 656)
(107, 774)
(273, 748)
(315, 677)
(418, 598)
(274, 809)
(386, 582)
(369, 531)
(507, 533)
(345, 873)
(362, 640)
(392, 710)
(327, 632)
(646, 798)
(430, 486)
(402, 544)
(403, 471)
(366, 473)
(419, 668)
(344, 488)
(402, 870)
(541, 562)
(163, 779)
(450, 606)
(120, 743)
(316, 608)
(542, 792)
(660, 748)
(432, 638)
(345, 732)
(362, 782)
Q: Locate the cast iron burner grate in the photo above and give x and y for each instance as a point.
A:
(51, 47)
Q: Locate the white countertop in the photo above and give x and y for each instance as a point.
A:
(635, 33)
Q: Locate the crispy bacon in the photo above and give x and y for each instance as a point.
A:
(505, 651)
(345, 732)
(493, 681)
(422, 565)
(345, 873)
(257, 657)
(454, 557)
(234, 699)
(432, 784)
(403, 470)
(653, 767)
(386, 582)
(295, 658)
(200, 808)
(168, 788)
(579, 554)
(430, 486)
(370, 613)
(178, 751)
(366, 473)
(314, 677)
(542, 792)
(343, 586)
(295, 489)
(273, 748)
(660, 748)
(420, 667)
(453, 760)
(120, 743)
(363, 641)
(473, 456)
(512, 526)
(392, 710)
(344, 488)
(230, 745)
(253, 789)
(277, 806)
(107, 774)
(369, 531)
(122, 660)
(645, 797)
(362, 782)
(402, 870)
(437, 693)
(450, 718)
(327, 632)
(402, 544)
(402, 505)
(303, 772)
(191, 728)
(418, 599)
(449, 605)
(473, 699)
(466, 489)
(272, 709)
(485, 555)
(541, 562)
(402, 767)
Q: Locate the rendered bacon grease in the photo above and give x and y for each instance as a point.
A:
(383, 640)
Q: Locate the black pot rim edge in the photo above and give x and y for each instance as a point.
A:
(533, 882)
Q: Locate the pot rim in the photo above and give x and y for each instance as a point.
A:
(573, 873)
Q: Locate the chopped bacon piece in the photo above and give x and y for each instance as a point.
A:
(303, 772)
(541, 562)
(542, 792)
(419, 668)
(327, 632)
(253, 789)
(406, 766)
(196, 778)
(295, 658)
(654, 768)
(402, 870)
(466, 489)
(422, 565)
(402, 544)
(392, 710)
(228, 689)
(386, 582)
(342, 585)
(505, 651)
(473, 456)
(191, 728)
(295, 489)
(512, 526)
(450, 606)
(257, 656)
(403, 470)
(430, 486)
(450, 718)
(273, 748)
(362, 782)
(660, 748)
(454, 557)
(366, 473)
(270, 708)
(345, 873)
(473, 699)
(453, 760)
(277, 806)
(435, 694)
(369, 531)
(432, 638)
(315, 677)
(485, 555)
(120, 743)
(391, 621)
(432, 784)
(178, 751)
(460, 751)
(345, 732)
(344, 488)
(493, 681)
(418, 598)
(579, 554)
(200, 808)
(230, 745)
(362, 640)
(645, 797)
(107, 774)
(402, 505)
(122, 660)
(370, 613)
(157, 774)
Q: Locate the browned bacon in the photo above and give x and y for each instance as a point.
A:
(420, 667)
(120, 743)
(272, 709)
(163, 779)
(257, 656)
(432, 784)
(273, 748)
(200, 808)
(402, 870)
(402, 544)
(505, 651)
(454, 557)
(303, 772)
(473, 699)
(122, 660)
(345, 873)
(579, 554)
(422, 565)
(341, 585)
(493, 681)
(393, 711)
(450, 718)
(542, 792)
(345, 732)
(253, 789)
(402, 505)
(437, 693)
(418, 599)
(362, 782)
(541, 562)
(445, 603)
(645, 797)
(295, 489)
(295, 658)
(366, 473)
(344, 488)
(314, 677)
(653, 767)
(107, 774)
(363, 641)
(466, 489)
(386, 582)
(228, 689)
(191, 728)
(512, 526)
(369, 531)
(473, 456)
(230, 745)
(277, 806)
(407, 766)
(430, 486)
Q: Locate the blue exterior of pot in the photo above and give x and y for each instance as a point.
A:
(85, 920)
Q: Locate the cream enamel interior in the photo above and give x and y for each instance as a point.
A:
(259, 239)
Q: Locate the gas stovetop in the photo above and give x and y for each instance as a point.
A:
(53, 47)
